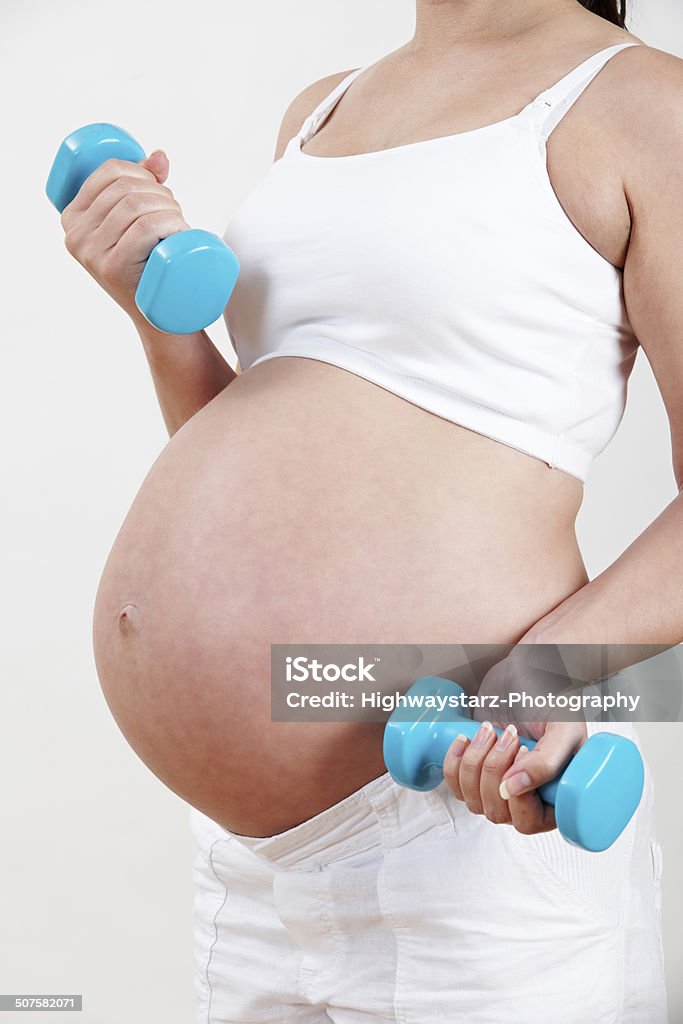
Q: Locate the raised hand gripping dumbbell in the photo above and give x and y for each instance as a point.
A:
(595, 795)
(189, 276)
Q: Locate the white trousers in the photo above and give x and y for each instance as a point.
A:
(403, 907)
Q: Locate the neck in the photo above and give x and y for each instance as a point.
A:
(443, 23)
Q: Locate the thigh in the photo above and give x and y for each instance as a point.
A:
(451, 919)
(486, 934)
(494, 926)
(246, 965)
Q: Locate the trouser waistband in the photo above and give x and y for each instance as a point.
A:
(381, 814)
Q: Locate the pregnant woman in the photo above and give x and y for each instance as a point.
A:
(446, 275)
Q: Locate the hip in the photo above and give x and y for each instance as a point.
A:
(405, 905)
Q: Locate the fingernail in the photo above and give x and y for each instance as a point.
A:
(522, 750)
(456, 750)
(507, 737)
(515, 785)
(459, 745)
(483, 735)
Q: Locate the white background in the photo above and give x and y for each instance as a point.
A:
(95, 858)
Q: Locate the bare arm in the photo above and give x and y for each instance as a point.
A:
(120, 213)
(188, 371)
(636, 605)
(639, 598)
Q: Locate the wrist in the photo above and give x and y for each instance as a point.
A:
(163, 349)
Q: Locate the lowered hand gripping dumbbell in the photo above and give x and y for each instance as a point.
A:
(595, 795)
(189, 276)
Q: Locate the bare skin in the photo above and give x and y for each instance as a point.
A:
(388, 549)
(296, 502)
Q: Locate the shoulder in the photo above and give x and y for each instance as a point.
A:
(651, 78)
(646, 88)
(303, 105)
(647, 105)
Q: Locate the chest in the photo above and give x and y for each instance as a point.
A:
(582, 154)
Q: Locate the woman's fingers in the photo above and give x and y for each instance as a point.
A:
(532, 769)
(473, 770)
(121, 212)
(471, 766)
(452, 762)
(157, 163)
(136, 204)
(527, 813)
(496, 777)
(140, 238)
(530, 815)
(123, 191)
(108, 173)
(554, 749)
(499, 759)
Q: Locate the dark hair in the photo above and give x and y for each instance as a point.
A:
(612, 10)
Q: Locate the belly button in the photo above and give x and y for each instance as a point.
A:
(128, 619)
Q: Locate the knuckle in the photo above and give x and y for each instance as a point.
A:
(539, 773)
(123, 184)
(525, 828)
(474, 807)
(469, 766)
(114, 165)
(490, 767)
(496, 815)
(143, 224)
(132, 202)
(73, 242)
(112, 262)
(87, 257)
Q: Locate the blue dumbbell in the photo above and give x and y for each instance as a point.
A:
(189, 276)
(595, 796)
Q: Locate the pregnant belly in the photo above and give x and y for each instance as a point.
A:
(305, 505)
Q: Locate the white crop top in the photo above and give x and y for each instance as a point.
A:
(447, 272)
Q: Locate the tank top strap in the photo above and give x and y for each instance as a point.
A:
(559, 98)
(325, 108)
